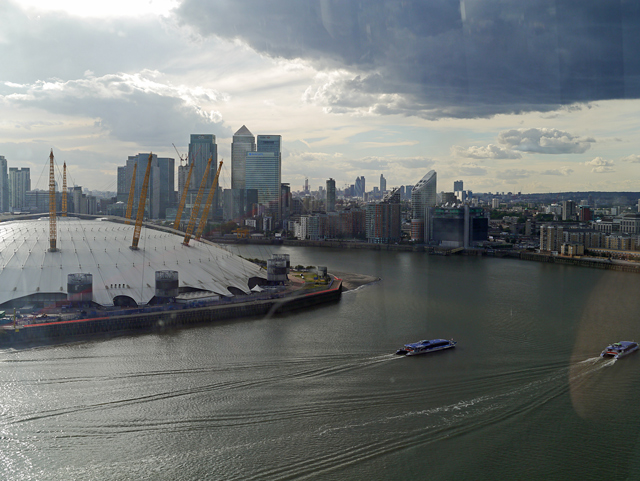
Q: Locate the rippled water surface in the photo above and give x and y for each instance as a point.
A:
(319, 394)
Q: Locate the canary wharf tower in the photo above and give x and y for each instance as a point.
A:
(243, 142)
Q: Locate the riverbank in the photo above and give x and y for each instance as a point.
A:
(592, 262)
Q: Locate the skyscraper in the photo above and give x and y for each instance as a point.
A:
(19, 185)
(423, 196)
(331, 195)
(458, 186)
(201, 147)
(270, 143)
(360, 187)
(383, 183)
(243, 142)
(160, 193)
(263, 174)
(4, 185)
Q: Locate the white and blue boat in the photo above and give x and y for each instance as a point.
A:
(620, 349)
(423, 347)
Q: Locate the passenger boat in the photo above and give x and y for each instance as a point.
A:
(423, 347)
(619, 349)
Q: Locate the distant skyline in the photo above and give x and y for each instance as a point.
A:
(506, 96)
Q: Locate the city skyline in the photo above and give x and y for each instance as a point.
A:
(514, 100)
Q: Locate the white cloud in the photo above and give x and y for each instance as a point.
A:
(634, 158)
(599, 161)
(601, 166)
(131, 107)
(544, 141)
(491, 151)
(564, 171)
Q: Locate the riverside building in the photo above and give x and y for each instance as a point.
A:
(423, 196)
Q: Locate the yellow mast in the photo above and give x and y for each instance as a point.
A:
(196, 205)
(183, 199)
(132, 190)
(64, 190)
(52, 205)
(141, 204)
(207, 205)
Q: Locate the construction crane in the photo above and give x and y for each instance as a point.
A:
(64, 190)
(141, 204)
(207, 205)
(182, 158)
(52, 206)
(183, 199)
(196, 205)
(132, 190)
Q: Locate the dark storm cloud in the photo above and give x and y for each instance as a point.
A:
(443, 58)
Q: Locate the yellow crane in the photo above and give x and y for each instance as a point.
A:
(141, 204)
(196, 205)
(207, 205)
(183, 199)
(132, 190)
(52, 205)
(64, 190)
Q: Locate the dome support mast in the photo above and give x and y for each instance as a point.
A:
(183, 199)
(141, 205)
(196, 206)
(207, 205)
(52, 206)
(64, 190)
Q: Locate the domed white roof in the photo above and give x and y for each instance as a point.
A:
(101, 248)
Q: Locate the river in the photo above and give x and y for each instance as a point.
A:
(319, 394)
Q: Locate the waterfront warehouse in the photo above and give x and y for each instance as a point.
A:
(94, 256)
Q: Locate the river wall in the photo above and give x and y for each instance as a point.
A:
(575, 261)
(65, 330)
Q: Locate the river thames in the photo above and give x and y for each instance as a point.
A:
(319, 394)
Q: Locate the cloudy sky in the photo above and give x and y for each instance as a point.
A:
(507, 95)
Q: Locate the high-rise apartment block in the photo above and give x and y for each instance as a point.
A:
(551, 238)
(568, 210)
(243, 142)
(383, 220)
(331, 195)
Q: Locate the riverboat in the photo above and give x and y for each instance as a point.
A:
(423, 347)
(620, 349)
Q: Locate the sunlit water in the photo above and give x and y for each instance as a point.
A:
(319, 394)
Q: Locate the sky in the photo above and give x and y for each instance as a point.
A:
(527, 96)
